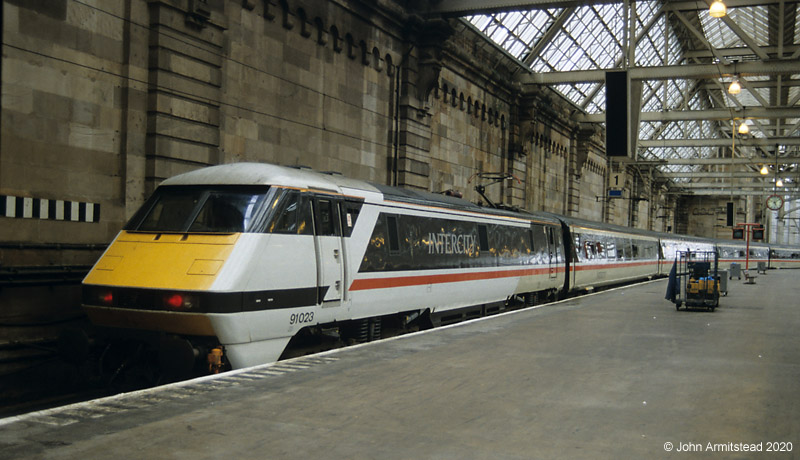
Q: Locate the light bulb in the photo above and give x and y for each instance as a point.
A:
(735, 87)
(743, 128)
(718, 9)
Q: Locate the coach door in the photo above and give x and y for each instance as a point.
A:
(328, 239)
(554, 249)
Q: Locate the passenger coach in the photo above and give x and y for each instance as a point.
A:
(605, 254)
(781, 256)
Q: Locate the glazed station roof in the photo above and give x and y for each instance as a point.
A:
(684, 60)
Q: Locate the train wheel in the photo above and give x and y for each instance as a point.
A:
(530, 299)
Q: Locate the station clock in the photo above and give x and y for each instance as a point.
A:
(774, 202)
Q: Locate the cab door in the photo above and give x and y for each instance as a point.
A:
(328, 244)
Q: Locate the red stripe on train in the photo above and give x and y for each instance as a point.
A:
(418, 280)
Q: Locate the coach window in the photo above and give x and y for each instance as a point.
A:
(394, 234)
(540, 245)
(652, 250)
(601, 254)
(624, 248)
(483, 238)
(327, 217)
(559, 254)
(611, 248)
(588, 250)
(577, 249)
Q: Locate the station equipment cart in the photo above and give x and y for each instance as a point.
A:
(698, 279)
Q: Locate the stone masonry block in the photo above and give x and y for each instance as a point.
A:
(182, 65)
(183, 129)
(184, 108)
(188, 46)
(89, 137)
(413, 166)
(414, 140)
(180, 149)
(175, 19)
(17, 98)
(406, 179)
(174, 82)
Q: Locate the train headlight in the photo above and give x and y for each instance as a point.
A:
(180, 301)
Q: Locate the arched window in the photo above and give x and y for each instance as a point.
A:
(287, 15)
(322, 35)
(305, 30)
(351, 46)
(377, 62)
(389, 65)
(365, 55)
(337, 39)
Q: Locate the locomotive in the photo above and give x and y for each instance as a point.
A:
(226, 264)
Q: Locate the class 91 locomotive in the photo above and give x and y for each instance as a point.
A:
(225, 265)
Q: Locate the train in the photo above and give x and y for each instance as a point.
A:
(223, 266)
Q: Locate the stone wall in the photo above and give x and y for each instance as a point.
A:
(73, 104)
(311, 83)
(707, 216)
(469, 135)
(102, 101)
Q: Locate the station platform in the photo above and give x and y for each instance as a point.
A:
(617, 374)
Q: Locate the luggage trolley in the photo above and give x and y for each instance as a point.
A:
(698, 279)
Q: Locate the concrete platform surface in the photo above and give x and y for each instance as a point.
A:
(619, 374)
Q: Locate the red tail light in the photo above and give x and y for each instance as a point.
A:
(179, 302)
(175, 301)
(107, 298)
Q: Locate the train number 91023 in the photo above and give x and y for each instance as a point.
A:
(300, 318)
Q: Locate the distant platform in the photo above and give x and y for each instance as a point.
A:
(618, 374)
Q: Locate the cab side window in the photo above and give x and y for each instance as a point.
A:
(327, 217)
(292, 214)
(350, 211)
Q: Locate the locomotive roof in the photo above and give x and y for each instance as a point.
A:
(268, 174)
